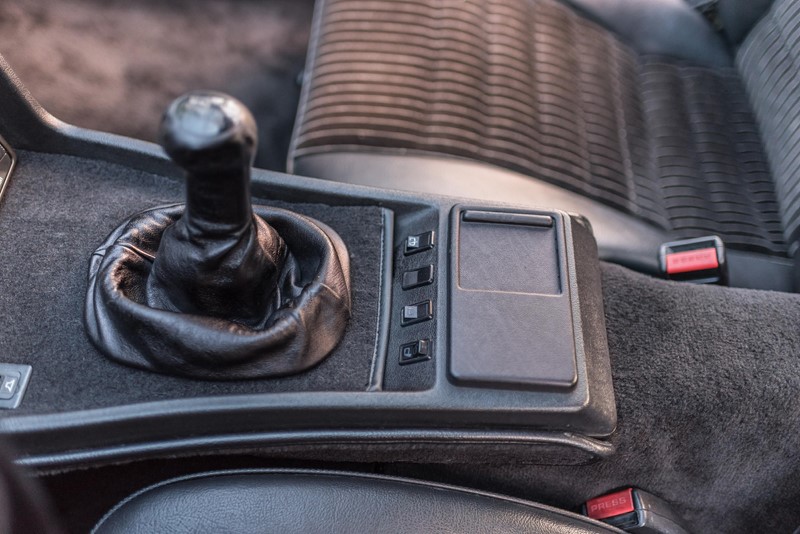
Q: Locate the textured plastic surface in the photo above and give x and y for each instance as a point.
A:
(510, 310)
(496, 257)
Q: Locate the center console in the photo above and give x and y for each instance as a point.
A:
(470, 327)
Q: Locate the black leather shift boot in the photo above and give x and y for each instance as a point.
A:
(296, 318)
(230, 273)
(208, 289)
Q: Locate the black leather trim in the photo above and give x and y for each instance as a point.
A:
(621, 238)
(279, 500)
(663, 27)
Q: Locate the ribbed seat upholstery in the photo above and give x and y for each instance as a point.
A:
(536, 87)
(769, 60)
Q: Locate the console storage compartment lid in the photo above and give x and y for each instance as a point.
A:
(514, 311)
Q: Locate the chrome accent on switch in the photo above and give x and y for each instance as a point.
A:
(8, 161)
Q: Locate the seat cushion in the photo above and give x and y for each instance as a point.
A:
(536, 88)
(260, 501)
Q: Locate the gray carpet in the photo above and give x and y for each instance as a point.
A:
(114, 65)
(708, 391)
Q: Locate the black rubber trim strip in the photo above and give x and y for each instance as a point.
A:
(385, 312)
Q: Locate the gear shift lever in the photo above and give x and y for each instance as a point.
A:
(217, 288)
(217, 259)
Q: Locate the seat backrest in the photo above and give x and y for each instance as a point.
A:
(739, 16)
(769, 62)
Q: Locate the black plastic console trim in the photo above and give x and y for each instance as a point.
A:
(374, 445)
(551, 428)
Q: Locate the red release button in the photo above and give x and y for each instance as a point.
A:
(692, 260)
(610, 505)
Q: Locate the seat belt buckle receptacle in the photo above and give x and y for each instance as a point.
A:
(634, 510)
(700, 260)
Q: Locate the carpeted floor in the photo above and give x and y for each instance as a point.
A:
(114, 65)
(706, 381)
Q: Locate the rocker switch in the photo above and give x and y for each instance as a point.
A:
(418, 277)
(417, 313)
(417, 351)
(419, 242)
(9, 382)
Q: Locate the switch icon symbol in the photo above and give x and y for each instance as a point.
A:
(9, 384)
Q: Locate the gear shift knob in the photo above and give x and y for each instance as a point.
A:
(217, 260)
(213, 137)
